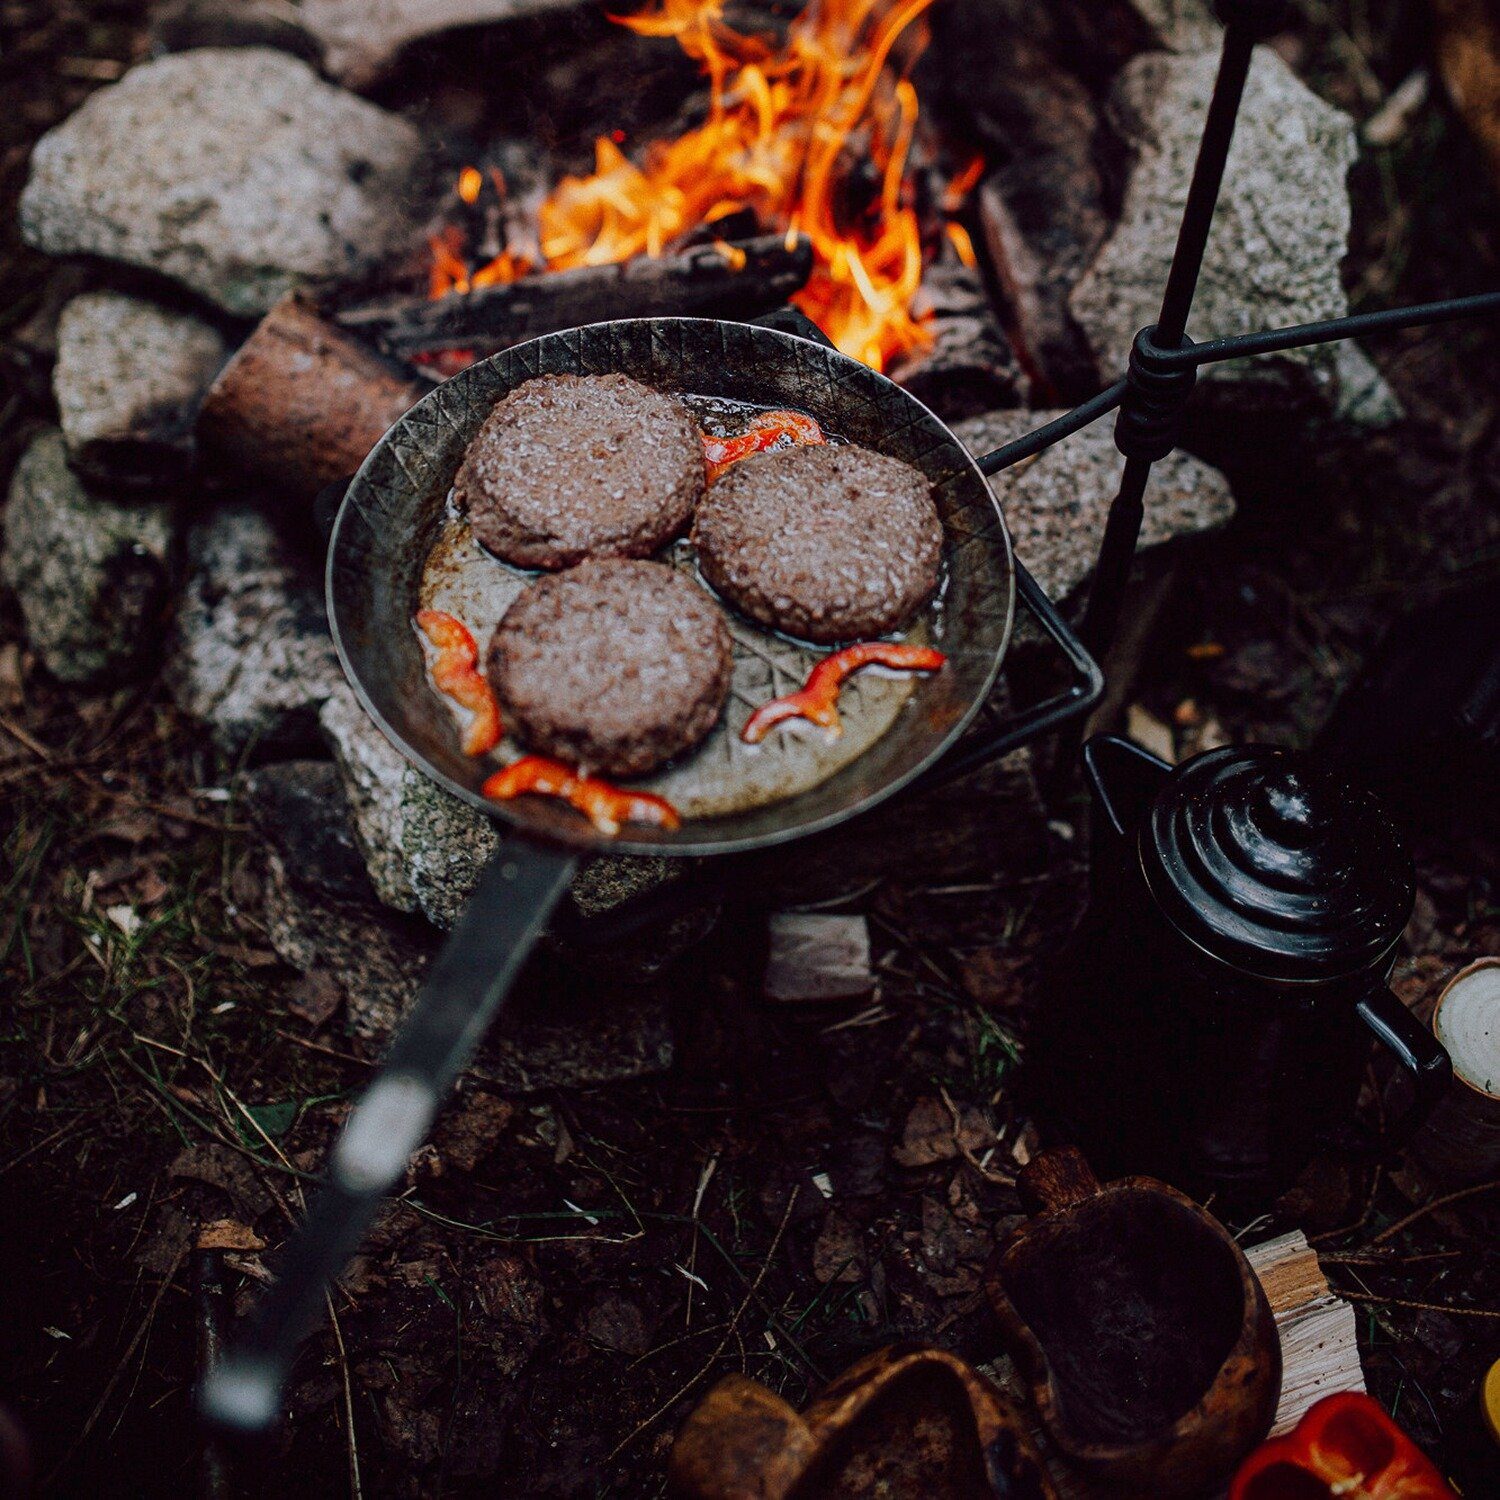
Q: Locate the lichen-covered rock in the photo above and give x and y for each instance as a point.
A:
(237, 171)
(445, 844)
(1180, 25)
(298, 807)
(362, 39)
(376, 958)
(250, 654)
(425, 848)
(92, 577)
(129, 379)
(1056, 505)
(372, 771)
(1281, 228)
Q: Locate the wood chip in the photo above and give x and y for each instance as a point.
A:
(815, 958)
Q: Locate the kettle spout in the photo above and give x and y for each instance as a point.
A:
(1122, 780)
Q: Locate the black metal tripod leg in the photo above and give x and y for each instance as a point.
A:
(1101, 617)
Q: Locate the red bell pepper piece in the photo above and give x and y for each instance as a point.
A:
(1345, 1448)
(455, 672)
(722, 452)
(605, 805)
(819, 699)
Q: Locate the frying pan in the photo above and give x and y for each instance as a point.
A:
(392, 515)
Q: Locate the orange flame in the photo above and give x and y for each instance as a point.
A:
(794, 132)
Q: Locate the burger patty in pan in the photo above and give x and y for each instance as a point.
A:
(574, 466)
(614, 665)
(824, 543)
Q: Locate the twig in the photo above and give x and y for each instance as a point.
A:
(708, 1364)
(1002, 1179)
(1361, 1221)
(1427, 1208)
(356, 1491)
(120, 1369)
(1442, 1307)
(20, 735)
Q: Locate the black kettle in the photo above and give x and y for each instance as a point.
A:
(1211, 1021)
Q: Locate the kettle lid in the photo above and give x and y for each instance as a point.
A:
(1274, 864)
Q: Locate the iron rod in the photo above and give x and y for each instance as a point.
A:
(1208, 178)
(1302, 335)
(1053, 432)
(1116, 554)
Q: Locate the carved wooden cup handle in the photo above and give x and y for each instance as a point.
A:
(1055, 1180)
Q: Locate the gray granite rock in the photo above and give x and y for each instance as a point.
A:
(425, 848)
(1180, 25)
(236, 171)
(445, 844)
(363, 39)
(298, 808)
(1056, 504)
(250, 653)
(376, 959)
(1281, 228)
(92, 577)
(373, 772)
(129, 378)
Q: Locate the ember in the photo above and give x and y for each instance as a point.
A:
(790, 129)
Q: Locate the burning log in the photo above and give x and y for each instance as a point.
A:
(969, 368)
(707, 280)
(303, 402)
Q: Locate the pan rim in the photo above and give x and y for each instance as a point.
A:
(585, 840)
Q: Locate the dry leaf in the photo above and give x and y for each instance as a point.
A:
(229, 1234)
(1467, 45)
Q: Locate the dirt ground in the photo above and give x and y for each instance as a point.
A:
(569, 1272)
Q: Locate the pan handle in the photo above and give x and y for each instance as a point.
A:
(463, 991)
(1041, 718)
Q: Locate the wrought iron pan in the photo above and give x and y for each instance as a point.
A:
(397, 504)
(385, 528)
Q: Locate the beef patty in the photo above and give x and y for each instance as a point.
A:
(575, 466)
(614, 665)
(825, 543)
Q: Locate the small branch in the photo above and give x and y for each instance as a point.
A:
(1442, 1307)
(718, 1348)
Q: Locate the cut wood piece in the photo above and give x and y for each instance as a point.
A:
(302, 403)
(815, 957)
(1461, 1141)
(731, 280)
(1319, 1354)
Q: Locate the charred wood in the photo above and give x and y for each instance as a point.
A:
(708, 280)
(970, 366)
(303, 402)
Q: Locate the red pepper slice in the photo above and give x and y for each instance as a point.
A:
(819, 699)
(605, 805)
(722, 452)
(1345, 1448)
(456, 673)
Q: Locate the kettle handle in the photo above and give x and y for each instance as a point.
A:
(1418, 1051)
(1123, 779)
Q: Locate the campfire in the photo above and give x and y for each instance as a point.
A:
(812, 134)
